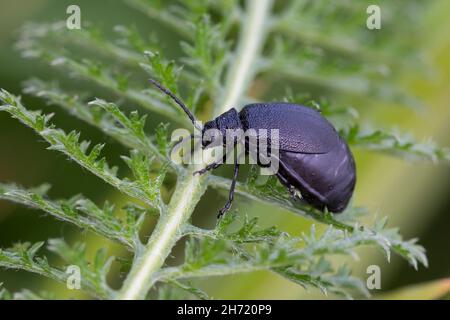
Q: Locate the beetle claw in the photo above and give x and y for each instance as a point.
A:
(200, 172)
(223, 210)
(293, 193)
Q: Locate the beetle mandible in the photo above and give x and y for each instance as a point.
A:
(313, 158)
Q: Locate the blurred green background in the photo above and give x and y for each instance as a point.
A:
(414, 195)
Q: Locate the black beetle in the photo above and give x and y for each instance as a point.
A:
(313, 158)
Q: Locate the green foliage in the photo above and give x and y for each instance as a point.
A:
(81, 212)
(24, 294)
(207, 56)
(23, 256)
(250, 249)
(217, 45)
(395, 143)
(70, 145)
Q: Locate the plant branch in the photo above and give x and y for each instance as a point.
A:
(100, 118)
(95, 219)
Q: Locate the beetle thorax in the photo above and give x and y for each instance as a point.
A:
(226, 121)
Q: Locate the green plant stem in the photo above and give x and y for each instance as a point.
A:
(191, 187)
(166, 234)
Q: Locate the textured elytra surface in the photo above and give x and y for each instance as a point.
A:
(301, 129)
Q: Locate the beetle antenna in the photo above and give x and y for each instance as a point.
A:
(177, 101)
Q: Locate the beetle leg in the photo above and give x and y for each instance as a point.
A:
(212, 166)
(290, 187)
(176, 143)
(209, 167)
(227, 205)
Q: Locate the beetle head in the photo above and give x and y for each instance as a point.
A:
(214, 132)
(210, 133)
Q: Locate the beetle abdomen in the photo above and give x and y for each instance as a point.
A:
(325, 180)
